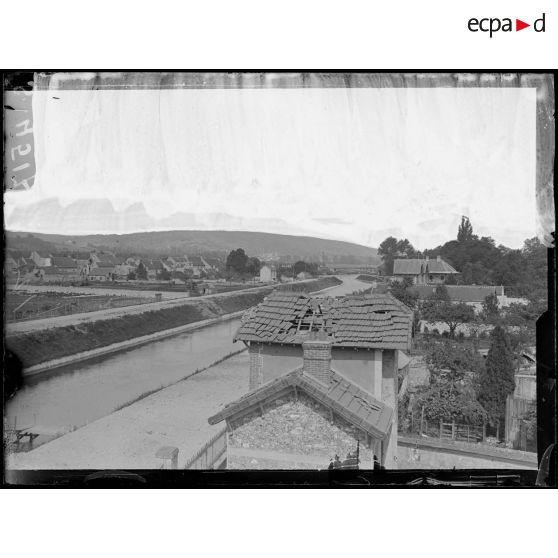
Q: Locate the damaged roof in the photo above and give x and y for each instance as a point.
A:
(373, 321)
(344, 398)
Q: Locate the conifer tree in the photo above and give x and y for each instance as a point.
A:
(497, 380)
(465, 231)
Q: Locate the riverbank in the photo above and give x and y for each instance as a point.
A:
(46, 349)
(123, 345)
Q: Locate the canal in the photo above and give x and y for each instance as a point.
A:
(60, 401)
(57, 402)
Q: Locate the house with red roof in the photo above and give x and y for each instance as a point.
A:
(323, 380)
(423, 271)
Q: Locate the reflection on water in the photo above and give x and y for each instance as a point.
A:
(61, 401)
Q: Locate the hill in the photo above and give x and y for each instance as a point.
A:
(192, 242)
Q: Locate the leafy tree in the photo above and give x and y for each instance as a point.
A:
(450, 313)
(402, 290)
(388, 252)
(253, 266)
(440, 294)
(449, 403)
(237, 261)
(453, 362)
(497, 381)
(391, 248)
(299, 267)
(490, 310)
(404, 247)
(141, 272)
(163, 275)
(451, 280)
(465, 231)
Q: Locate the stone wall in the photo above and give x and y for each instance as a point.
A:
(298, 427)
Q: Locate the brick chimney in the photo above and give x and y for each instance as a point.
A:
(439, 258)
(256, 366)
(426, 258)
(317, 356)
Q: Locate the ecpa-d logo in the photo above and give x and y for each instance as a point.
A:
(494, 25)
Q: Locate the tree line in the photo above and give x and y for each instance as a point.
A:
(480, 261)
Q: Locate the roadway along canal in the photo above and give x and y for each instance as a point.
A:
(60, 401)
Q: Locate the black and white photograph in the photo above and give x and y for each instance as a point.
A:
(279, 271)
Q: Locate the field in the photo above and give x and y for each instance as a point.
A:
(27, 306)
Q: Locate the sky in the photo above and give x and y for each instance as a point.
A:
(355, 164)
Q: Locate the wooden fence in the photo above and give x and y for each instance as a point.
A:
(447, 430)
(211, 454)
(462, 432)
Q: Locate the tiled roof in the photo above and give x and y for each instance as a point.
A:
(461, 293)
(63, 261)
(415, 266)
(80, 255)
(104, 271)
(53, 270)
(344, 398)
(153, 264)
(368, 321)
(196, 260)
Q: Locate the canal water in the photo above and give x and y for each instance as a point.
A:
(57, 402)
(63, 400)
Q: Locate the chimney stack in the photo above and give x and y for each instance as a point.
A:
(317, 356)
(439, 258)
(426, 258)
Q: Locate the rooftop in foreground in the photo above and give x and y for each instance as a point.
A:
(377, 321)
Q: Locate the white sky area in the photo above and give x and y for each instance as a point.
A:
(349, 164)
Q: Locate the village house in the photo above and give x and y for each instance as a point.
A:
(83, 261)
(41, 259)
(215, 264)
(154, 268)
(268, 273)
(423, 271)
(52, 274)
(323, 377)
(179, 263)
(198, 265)
(98, 273)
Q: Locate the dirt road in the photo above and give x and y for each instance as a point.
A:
(84, 317)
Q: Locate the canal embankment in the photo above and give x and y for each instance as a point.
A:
(47, 349)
